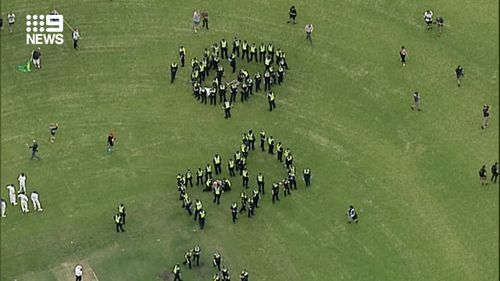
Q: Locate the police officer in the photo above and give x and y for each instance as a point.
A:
(223, 48)
(256, 197)
(208, 172)
(182, 55)
(199, 176)
(270, 51)
(271, 98)
(253, 52)
(122, 212)
(249, 83)
(281, 74)
(197, 208)
(217, 193)
(236, 46)
(227, 110)
(270, 145)
(230, 167)
(216, 277)
(251, 139)
(267, 80)
(237, 157)
(222, 92)
(244, 275)
(286, 187)
(173, 71)
(213, 97)
(177, 273)
(258, 80)
(262, 139)
(293, 14)
(289, 160)
(275, 192)
(260, 182)
(203, 94)
(279, 151)
(118, 221)
(187, 204)
(244, 92)
(232, 62)
(243, 199)
(225, 274)
(234, 91)
(244, 50)
(203, 214)
(234, 211)
(217, 260)
(262, 52)
(352, 215)
(196, 254)
(187, 258)
(189, 178)
(251, 209)
(244, 174)
(307, 176)
(291, 178)
(217, 164)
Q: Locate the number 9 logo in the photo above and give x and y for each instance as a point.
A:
(54, 23)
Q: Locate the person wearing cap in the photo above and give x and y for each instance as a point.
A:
(78, 272)
(34, 150)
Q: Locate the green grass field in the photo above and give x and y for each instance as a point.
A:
(344, 110)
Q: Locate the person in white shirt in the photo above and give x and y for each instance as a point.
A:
(309, 29)
(428, 18)
(22, 183)
(11, 18)
(36, 202)
(3, 206)
(12, 194)
(78, 272)
(24, 202)
(76, 37)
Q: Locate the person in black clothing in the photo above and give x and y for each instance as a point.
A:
(223, 48)
(182, 55)
(204, 17)
(244, 199)
(234, 211)
(187, 258)
(236, 46)
(34, 150)
(258, 80)
(402, 55)
(459, 73)
(440, 24)
(267, 80)
(199, 176)
(307, 176)
(203, 94)
(232, 62)
(119, 222)
(222, 92)
(227, 114)
(234, 91)
(293, 14)
(217, 260)
(483, 175)
(494, 172)
(486, 116)
(196, 254)
(173, 71)
(262, 139)
(275, 192)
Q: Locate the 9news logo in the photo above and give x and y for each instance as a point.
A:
(44, 29)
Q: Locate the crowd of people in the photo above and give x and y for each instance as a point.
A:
(193, 255)
(22, 195)
(274, 60)
(212, 180)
